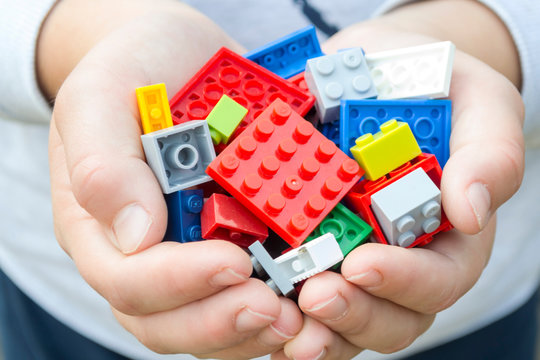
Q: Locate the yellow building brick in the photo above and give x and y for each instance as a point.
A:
(385, 151)
(154, 107)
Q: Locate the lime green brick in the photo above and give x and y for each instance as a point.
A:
(224, 119)
(349, 230)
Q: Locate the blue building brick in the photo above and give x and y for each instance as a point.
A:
(287, 56)
(184, 221)
(429, 120)
(330, 130)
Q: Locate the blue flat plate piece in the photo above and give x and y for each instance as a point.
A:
(287, 56)
(429, 120)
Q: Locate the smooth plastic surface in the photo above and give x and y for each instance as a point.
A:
(179, 155)
(429, 120)
(416, 72)
(408, 208)
(184, 219)
(266, 268)
(286, 172)
(287, 56)
(310, 259)
(337, 77)
(154, 108)
(224, 119)
(247, 83)
(359, 198)
(387, 150)
(348, 229)
(223, 217)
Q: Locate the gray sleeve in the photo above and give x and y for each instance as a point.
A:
(521, 19)
(20, 24)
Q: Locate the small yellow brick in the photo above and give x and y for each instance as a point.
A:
(387, 150)
(154, 107)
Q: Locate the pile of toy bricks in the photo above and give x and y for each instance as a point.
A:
(278, 176)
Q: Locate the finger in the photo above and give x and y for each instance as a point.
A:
(100, 130)
(220, 321)
(363, 320)
(487, 149)
(427, 279)
(269, 339)
(176, 273)
(316, 341)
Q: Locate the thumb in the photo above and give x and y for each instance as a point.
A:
(487, 149)
(105, 161)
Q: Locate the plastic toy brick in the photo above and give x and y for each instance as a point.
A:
(287, 56)
(299, 81)
(154, 107)
(416, 72)
(224, 119)
(286, 172)
(408, 208)
(332, 131)
(179, 155)
(247, 83)
(225, 218)
(349, 230)
(387, 150)
(359, 198)
(429, 120)
(184, 220)
(337, 77)
(297, 264)
(265, 267)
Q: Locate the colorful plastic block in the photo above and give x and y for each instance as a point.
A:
(359, 198)
(337, 77)
(349, 230)
(154, 107)
(299, 81)
(286, 172)
(429, 120)
(224, 119)
(225, 218)
(247, 83)
(408, 208)
(266, 268)
(387, 150)
(298, 264)
(416, 72)
(331, 131)
(287, 56)
(184, 220)
(179, 155)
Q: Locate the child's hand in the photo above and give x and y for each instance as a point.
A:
(387, 296)
(109, 211)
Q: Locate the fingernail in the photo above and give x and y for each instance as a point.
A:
(130, 227)
(480, 200)
(249, 320)
(319, 356)
(272, 336)
(227, 277)
(332, 309)
(369, 278)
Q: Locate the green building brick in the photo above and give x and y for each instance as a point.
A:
(224, 119)
(349, 230)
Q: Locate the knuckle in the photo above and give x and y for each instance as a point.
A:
(512, 157)
(89, 178)
(120, 297)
